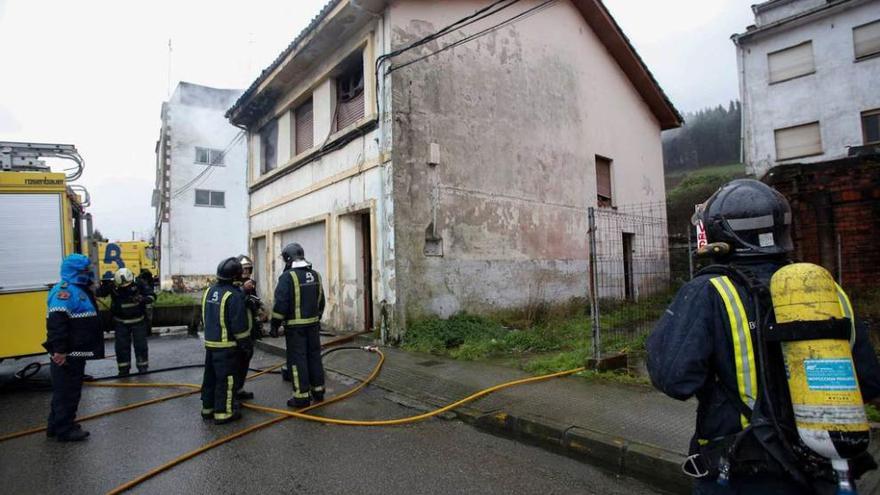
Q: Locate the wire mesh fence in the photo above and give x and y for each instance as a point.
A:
(635, 267)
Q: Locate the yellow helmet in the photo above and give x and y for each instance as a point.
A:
(123, 277)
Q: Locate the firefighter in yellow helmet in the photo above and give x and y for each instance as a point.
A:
(130, 299)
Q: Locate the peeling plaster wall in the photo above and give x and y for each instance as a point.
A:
(519, 116)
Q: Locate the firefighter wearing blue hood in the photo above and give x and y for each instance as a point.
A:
(712, 343)
(73, 335)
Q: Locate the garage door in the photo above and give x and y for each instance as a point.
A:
(312, 238)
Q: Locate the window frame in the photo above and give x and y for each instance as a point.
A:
(210, 153)
(821, 151)
(296, 114)
(273, 125)
(866, 114)
(601, 200)
(207, 152)
(210, 203)
(856, 57)
(792, 47)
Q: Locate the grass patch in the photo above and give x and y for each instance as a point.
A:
(164, 298)
(873, 413)
(540, 341)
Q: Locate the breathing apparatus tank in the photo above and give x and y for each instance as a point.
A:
(828, 409)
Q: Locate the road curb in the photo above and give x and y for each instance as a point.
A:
(652, 465)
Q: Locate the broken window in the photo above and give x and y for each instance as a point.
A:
(790, 63)
(350, 93)
(304, 127)
(866, 40)
(871, 126)
(269, 146)
(603, 182)
(205, 197)
(798, 141)
(202, 155)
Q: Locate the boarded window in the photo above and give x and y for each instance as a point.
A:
(269, 146)
(866, 40)
(205, 197)
(871, 126)
(798, 141)
(603, 182)
(305, 130)
(791, 62)
(350, 94)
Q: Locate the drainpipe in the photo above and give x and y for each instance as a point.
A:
(742, 98)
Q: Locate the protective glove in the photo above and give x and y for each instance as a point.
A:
(275, 329)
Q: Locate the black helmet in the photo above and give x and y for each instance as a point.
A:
(293, 252)
(229, 269)
(751, 217)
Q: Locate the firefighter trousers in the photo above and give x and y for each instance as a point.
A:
(125, 333)
(304, 362)
(67, 382)
(244, 353)
(218, 384)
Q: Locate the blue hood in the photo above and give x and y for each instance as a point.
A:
(75, 270)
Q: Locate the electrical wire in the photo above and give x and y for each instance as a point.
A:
(520, 16)
(209, 169)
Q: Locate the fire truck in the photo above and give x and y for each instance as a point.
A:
(42, 219)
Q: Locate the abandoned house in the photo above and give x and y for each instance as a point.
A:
(809, 71)
(440, 157)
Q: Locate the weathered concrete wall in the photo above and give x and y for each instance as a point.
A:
(770, 12)
(835, 95)
(196, 237)
(519, 116)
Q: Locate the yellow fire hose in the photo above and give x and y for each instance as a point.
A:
(134, 405)
(284, 414)
(216, 443)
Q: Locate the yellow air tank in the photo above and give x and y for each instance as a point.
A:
(828, 408)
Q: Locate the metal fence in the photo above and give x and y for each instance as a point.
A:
(635, 267)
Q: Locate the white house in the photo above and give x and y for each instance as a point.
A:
(200, 197)
(809, 81)
(442, 158)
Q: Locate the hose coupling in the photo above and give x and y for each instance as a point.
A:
(370, 348)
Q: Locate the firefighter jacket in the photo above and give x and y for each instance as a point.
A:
(299, 297)
(254, 307)
(72, 324)
(225, 316)
(129, 303)
(703, 346)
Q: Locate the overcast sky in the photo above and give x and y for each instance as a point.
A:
(94, 73)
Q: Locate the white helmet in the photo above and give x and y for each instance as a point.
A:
(123, 277)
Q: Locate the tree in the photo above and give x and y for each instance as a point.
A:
(96, 235)
(710, 136)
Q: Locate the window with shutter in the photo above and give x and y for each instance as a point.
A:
(304, 124)
(790, 63)
(603, 182)
(269, 146)
(866, 40)
(798, 141)
(871, 127)
(350, 95)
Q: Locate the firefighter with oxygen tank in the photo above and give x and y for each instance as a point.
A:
(774, 354)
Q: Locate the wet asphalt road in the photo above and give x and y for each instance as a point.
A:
(434, 456)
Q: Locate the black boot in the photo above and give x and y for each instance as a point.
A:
(244, 395)
(235, 417)
(298, 403)
(74, 435)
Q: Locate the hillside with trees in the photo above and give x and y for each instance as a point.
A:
(708, 137)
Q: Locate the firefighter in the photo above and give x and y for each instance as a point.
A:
(255, 311)
(73, 335)
(226, 327)
(299, 305)
(130, 299)
(707, 344)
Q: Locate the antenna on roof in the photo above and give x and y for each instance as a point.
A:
(168, 89)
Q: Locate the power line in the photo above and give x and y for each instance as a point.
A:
(209, 169)
(476, 35)
(461, 23)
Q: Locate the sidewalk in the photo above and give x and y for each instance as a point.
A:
(629, 429)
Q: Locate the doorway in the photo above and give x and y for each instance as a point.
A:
(356, 272)
(629, 286)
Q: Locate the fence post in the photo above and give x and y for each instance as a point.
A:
(594, 286)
